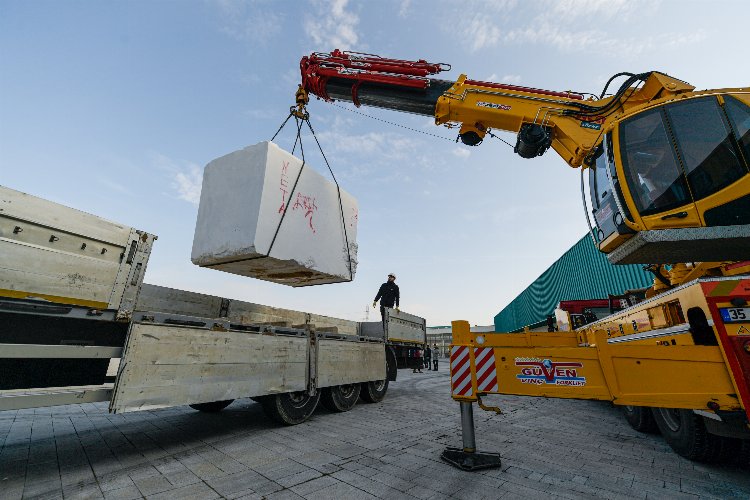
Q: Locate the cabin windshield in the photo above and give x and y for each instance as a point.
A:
(684, 152)
(704, 140)
(652, 170)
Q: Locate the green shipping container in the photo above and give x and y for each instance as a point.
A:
(583, 272)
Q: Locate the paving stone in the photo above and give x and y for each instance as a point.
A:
(152, 485)
(77, 474)
(197, 491)
(12, 469)
(89, 490)
(668, 495)
(325, 468)
(303, 489)
(425, 493)
(250, 496)
(11, 489)
(206, 470)
(300, 477)
(376, 488)
(265, 488)
(339, 490)
(115, 481)
(393, 482)
(284, 495)
(236, 483)
(44, 489)
(127, 493)
(281, 468)
(181, 478)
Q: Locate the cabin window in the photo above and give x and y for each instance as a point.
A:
(599, 182)
(705, 145)
(739, 116)
(652, 170)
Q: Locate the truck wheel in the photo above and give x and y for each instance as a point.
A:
(290, 408)
(686, 433)
(340, 397)
(640, 419)
(374, 392)
(391, 365)
(212, 407)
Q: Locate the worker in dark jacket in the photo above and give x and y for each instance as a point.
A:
(388, 295)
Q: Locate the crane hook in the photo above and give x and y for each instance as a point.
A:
(300, 109)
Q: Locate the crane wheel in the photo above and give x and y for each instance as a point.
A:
(340, 398)
(374, 392)
(640, 419)
(741, 456)
(212, 407)
(686, 434)
(290, 408)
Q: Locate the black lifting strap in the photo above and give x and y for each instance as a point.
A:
(297, 139)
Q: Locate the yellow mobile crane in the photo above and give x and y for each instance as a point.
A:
(669, 184)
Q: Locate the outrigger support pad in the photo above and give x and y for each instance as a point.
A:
(470, 461)
(468, 458)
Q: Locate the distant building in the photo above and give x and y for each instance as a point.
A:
(442, 336)
(582, 273)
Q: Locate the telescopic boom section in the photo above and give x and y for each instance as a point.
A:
(472, 105)
(374, 81)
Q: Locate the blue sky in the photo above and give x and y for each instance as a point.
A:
(114, 109)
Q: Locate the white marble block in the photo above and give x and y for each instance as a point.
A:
(242, 201)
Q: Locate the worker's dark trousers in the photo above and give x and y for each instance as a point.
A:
(382, 315)
(434, 362)
(427, 363)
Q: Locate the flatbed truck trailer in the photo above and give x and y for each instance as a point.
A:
(78, 324)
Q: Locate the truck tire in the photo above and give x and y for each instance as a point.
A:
(391, 365)
(290, 408)
(640, 418)
(685, 432)
(340, 397)
(374, 392)
(212, 407)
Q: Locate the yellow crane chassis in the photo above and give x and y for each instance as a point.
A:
(653, 354)
(639, 375)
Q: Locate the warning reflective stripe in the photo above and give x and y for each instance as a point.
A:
(457, 354)
(461, 371)
(463, 387)
(480, 360)
(484, 360)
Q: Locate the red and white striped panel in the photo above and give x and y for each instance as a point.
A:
(484, 361)
(461, 371)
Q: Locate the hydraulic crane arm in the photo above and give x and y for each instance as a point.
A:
(667, 164)
(541, 118)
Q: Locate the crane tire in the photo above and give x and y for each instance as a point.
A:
(686, 434)
(640, 418)
(340, 398)
(212, 407)
(290, 408)
(741, 456)
(374, 392)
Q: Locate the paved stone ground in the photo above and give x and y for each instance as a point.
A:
(550, 448)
